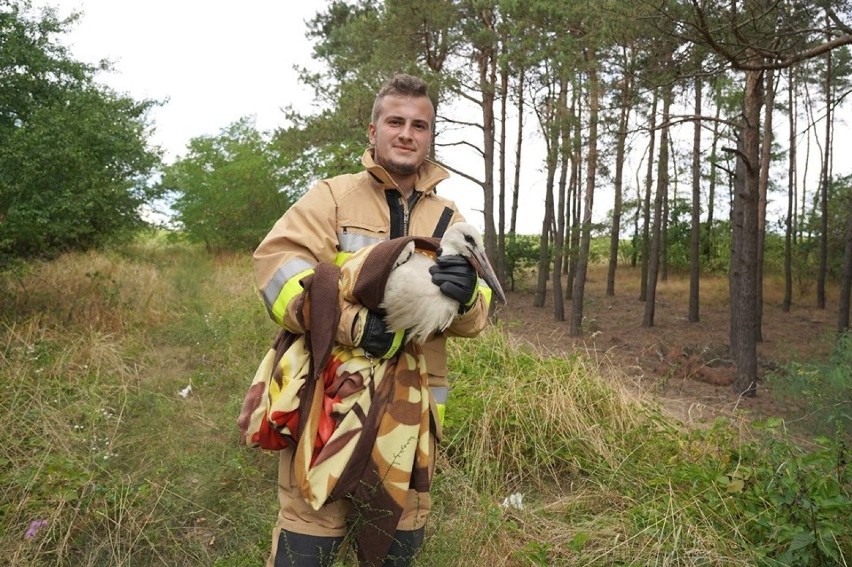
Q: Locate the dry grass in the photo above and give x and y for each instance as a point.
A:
(581, 450)
(96, 442)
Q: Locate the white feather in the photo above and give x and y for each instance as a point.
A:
(411, 301)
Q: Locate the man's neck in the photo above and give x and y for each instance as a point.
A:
(405, 184)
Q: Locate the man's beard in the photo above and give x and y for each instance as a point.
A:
(396, 168)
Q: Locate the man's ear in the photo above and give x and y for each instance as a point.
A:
(371, 134)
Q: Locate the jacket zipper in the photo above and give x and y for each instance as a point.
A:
(408, 207)
(400, 211)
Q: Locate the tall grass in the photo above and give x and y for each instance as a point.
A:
(97, 444)
(592, 462)
(608, 479)
(104, 462)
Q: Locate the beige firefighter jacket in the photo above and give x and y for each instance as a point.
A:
(341, 215)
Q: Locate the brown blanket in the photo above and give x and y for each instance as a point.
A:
(360, 426)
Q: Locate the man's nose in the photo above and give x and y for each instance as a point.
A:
(405, 131)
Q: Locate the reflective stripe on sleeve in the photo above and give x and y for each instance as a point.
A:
(440, 395)
(486, 292)
(341, 258)
(286, 292)
(273, 289)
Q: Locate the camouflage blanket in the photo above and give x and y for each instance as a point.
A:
(359, 426)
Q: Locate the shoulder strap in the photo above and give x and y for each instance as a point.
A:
(443, 222)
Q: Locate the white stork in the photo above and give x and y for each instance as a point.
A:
(413, 303)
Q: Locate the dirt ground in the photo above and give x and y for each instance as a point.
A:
(685, 366)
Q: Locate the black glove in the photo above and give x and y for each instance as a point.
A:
(375, 337)
(456, 278)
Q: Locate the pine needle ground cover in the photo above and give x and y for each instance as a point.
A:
(122, 376)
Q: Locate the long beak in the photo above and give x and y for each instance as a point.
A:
(483, 267)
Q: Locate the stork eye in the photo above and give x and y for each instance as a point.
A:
(469, 239)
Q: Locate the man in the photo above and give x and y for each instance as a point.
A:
(394, 196)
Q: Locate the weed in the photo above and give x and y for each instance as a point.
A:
(102, 462)
(824, 390)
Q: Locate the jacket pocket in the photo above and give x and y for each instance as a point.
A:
(355, 235)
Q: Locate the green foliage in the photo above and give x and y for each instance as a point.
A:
(823, 389)
(679, 233)
(230, 188)
(96, 440)
(316, 147)
(73, 154)
(522, 251)
(519, 423)
(599, 245)
(794, 504)
(806, 254)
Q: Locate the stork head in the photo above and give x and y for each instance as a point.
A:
(463, 239)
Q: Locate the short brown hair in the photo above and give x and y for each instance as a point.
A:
(399, 85)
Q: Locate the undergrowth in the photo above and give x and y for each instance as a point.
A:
(822, 389)
(123, 373)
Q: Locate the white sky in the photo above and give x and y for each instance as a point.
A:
(216, 61)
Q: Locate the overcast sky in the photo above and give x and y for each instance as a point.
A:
(215, 61)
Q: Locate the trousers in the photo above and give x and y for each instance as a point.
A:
(297, 516)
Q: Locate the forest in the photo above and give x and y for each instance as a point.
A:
(729, 106)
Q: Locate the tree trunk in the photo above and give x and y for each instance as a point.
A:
(618, 182)
(516, 185)
(591, 167)
(487, 67)
(789, 228)
(634, 253)
(763, 187)
(663, 266)
(744, 255)
(575, 195)
(711, 191)
(662, 187)
(694, 243)
(646, 209)
(799, 235)
(846, 277)
(559, 234)
(501, 198)
(549, 123)
(826, 178)
(516, 182)
(544, 243)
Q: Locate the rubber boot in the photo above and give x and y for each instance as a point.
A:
(403, 548)
(301, 550)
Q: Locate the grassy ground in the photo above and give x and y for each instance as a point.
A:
(104, 462)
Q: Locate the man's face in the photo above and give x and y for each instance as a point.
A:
(402, 134)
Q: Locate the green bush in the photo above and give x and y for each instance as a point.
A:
(823, 390)
(522, 254)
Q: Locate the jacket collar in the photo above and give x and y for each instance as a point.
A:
(429, 175)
